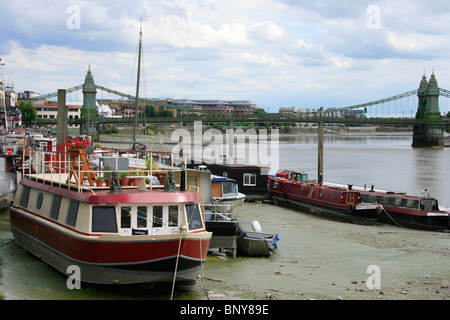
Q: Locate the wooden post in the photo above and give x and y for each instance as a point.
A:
(320, 156)
(63, 122)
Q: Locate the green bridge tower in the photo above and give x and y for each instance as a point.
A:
(428, 135)
(89, 112)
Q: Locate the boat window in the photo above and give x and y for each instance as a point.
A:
(54, 213)
(25, 196)
(404, 202)
(173, 216)
(104, 219)
(141, 217)
(157, 216)
(392, 201)
(72, 213)
(249, 179)
(428, 204)
(125, 217)
(193, 216)
(229, 188)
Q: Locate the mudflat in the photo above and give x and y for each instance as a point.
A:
(324, 259)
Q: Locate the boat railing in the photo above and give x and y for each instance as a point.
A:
(80, 169)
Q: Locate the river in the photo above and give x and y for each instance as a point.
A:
(316, 258)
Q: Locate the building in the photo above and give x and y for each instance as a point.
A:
(49, 110)
(28, 95)
(214, 108)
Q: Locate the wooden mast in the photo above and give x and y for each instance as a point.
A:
(137, 89)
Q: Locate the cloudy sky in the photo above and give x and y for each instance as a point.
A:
(273, 52)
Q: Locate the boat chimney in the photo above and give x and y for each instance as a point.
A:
(183, 178)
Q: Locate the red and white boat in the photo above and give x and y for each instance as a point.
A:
(144, 233)
(342, 203)
(419, 212)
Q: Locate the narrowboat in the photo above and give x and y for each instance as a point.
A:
(117, 234)
(409, 211)
(337, 203)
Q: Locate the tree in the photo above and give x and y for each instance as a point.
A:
(150, 111)
(165, 114)
(29, 113)
(259, 112)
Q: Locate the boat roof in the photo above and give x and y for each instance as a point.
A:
(127, 196)
(215, 178)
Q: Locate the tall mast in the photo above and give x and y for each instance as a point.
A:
(137, 89)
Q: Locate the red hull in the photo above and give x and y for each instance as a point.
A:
(91, 250)
(318, 199)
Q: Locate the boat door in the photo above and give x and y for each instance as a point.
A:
(165, 218)
(350, 198)
(149, 219)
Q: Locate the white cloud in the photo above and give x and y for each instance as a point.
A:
(273, 52)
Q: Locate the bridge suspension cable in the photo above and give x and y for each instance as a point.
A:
(393, 98)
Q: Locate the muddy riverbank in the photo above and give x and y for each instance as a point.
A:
(316, 259)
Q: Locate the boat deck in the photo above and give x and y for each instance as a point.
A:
(61, 180)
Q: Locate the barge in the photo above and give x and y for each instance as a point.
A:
(121, 234)
(343, 203)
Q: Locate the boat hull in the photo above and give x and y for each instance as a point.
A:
(433, 222)
(256, 244)
(113, 260)
(369, 217)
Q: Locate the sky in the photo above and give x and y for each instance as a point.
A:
(275, 53)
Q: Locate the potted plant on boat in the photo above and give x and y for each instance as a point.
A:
(123, 178)
(107, 175)
(78, 145)
(134, 181)
(99, 181)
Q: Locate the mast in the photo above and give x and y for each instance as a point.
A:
(137, 89)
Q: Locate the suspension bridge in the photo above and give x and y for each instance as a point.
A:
(425, 108)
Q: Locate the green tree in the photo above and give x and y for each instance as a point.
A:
(29, 113)
(165, 114)
(259, 112)
(150, 111)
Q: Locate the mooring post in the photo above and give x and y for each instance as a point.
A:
(320, 155)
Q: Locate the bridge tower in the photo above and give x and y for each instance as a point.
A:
(428, 135)
(89, 111)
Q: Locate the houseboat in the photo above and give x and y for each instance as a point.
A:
(409, 211)
(341, 203)
(251, 179)
(119, 234)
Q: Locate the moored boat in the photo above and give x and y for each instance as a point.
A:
(116, 235)
(295, 191)
(420, 212)
(225, 191)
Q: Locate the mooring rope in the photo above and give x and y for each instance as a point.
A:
(201, 264)
(384, 210)
(176, 266)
